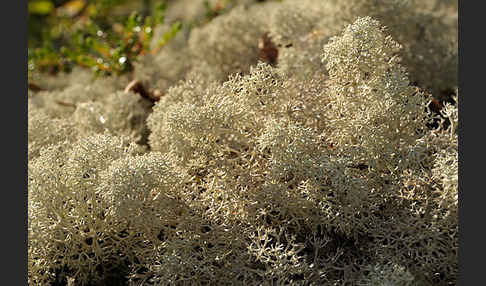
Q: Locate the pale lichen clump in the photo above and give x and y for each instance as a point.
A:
(374, 112)
(248, 173)
(226, 45)
(44, 131)
(97, 204)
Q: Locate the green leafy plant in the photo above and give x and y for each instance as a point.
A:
(91, 41)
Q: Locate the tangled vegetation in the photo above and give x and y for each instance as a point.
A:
(265, 143)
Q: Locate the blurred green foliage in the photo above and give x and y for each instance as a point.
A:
(107, 36)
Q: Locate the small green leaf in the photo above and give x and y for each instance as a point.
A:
(159, 13)
(41, 7)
